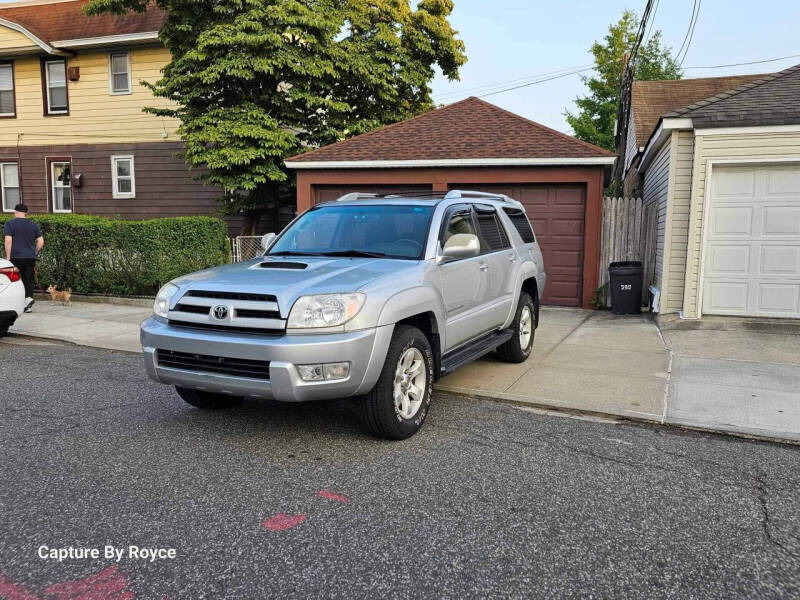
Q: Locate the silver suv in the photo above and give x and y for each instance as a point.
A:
(372, 296)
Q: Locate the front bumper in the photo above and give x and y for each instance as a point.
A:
(365, 350)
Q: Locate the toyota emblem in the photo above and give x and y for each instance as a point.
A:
(220, 312)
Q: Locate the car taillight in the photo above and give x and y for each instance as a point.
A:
(11, 272)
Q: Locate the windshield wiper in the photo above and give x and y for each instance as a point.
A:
(356, 253)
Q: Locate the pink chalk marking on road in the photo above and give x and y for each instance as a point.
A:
(109, 584)
(282, 522)
(332, 496)
(14, 591)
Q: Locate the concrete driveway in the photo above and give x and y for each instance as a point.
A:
(736, 380)
(582, 360)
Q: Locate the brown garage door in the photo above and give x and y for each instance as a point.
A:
(328, 193)
(557, 213)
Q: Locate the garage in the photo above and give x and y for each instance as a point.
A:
(752, 252)
(557, 215)
(474, 145)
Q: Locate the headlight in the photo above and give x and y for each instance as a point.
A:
(328, 310)
(163, 298)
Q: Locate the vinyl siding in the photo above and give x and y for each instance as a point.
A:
(743, 147)
(678, 220)
(95, 116)
(656, 192)
(10, 38)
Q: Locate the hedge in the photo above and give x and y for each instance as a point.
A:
(107, 256)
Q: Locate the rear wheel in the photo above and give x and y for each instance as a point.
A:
(3, 330)
(518, 348)
(396, 407)
(207, 400)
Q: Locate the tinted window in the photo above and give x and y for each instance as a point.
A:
(520, 221)
(396, 231)
(493, 236)
(460, 222)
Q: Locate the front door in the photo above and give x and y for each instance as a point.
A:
(465, 284)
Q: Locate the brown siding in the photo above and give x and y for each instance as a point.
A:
(164, 185)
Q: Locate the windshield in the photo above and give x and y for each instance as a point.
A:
(382, 231)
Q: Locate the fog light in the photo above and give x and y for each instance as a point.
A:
(329, 371)
(337, 370)
(311, 372)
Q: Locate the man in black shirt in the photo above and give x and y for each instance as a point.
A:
(23, 242)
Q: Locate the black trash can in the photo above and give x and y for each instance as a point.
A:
(626, 287)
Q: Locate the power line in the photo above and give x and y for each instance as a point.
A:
(743, 64)
(691, 35)
(516, 87)
(653, 21)
(491, 86)
(689, 32)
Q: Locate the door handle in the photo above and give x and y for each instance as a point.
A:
(512, 258)
(484, 267)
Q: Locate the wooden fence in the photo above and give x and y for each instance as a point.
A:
(629, 233)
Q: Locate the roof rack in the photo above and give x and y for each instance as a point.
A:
(451, 195)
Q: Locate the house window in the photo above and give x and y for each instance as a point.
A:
(55, 73)
(123, 177)
(9, 185)
(61, 186)
(119, 69)
(7, 104)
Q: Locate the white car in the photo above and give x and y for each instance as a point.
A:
(12, 296)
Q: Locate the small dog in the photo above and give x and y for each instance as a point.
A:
(64, 297)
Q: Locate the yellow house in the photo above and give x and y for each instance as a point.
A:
(73, 136)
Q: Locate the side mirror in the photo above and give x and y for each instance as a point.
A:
(267, 240)
(460, 246)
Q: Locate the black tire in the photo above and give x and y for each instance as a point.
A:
(3, 330)
(208, 400)
(377, 408)
(512, 351)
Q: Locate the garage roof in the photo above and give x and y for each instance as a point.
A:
(771, 100)
(471, 132)
(650, 100)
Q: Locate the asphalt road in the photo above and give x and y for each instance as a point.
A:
(280, 501)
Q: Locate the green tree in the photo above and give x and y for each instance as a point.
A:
(255, 81)
(597, 111)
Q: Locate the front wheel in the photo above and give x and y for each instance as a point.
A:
(518, 348)
(207, 400)
(396, 407)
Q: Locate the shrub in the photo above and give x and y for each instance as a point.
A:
(105, 256)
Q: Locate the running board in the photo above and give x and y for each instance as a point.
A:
(474, 350)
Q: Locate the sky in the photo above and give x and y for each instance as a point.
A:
(516, 40)
(513, 39)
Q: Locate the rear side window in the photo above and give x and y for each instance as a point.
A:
(493, 236)
(520, 221)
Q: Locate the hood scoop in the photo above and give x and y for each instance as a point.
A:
(274, 264)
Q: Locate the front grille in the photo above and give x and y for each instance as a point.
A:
(232, 312)
(198, 310)
(226, 328)
(232, 296)
(201, 363)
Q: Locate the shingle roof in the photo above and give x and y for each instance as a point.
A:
(469, 129)
(771, 100)
(651, 100)
(67, 21)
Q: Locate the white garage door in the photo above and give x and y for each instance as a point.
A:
(752, 255)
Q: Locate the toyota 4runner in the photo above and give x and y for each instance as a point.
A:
(373, 297)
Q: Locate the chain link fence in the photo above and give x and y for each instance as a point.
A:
(245, 247)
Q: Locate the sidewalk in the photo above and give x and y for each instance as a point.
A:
(587, 361)
(86, 324)
(736, 380)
